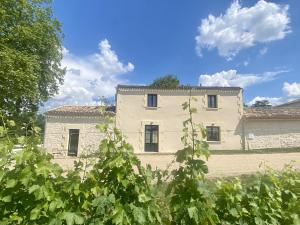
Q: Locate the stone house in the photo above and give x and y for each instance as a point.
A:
(71, 130)
(151, 119)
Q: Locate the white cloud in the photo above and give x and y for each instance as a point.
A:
(243, 27)
(64, 51)
(88, 78)
(232, 78)
(263, 51)
(291, 90)
(273, 100)
(246, 63)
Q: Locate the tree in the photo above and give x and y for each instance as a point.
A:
(30, 55)
(168, 81)
(263, 103)
(40, 122)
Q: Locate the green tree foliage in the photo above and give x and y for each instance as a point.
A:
(40, 122)
(263, 103)
(168, 81)
(30, 55)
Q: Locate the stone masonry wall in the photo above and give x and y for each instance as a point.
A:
(260, 134)
(57, 134)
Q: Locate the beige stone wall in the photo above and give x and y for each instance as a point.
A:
(133, 114)
(260, 134)
(57, 133)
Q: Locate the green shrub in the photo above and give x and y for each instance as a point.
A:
(121, 189)
(117, 189)
(267, 198)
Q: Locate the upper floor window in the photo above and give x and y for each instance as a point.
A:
(212, 101)
(213, 133)
(73, 142)
(152, 100)
(151, 138)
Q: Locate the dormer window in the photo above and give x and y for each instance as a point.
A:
(212, 101)
(152, 100)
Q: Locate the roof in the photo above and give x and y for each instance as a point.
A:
(77, 110)
(272, 113)
(182, 87)
(290, 104)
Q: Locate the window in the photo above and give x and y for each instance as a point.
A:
(213, 133)
(73, 142)
(152, 100)
(151, 138)
(212, 101)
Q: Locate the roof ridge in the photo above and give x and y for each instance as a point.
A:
(181, 87)
(54, 108)
(272, 112)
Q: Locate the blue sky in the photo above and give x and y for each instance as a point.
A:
(253, 44)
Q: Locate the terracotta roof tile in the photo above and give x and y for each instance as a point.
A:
(290, 104)
(77, 110)
(271, 112)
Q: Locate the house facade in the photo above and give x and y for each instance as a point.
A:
(151, 118)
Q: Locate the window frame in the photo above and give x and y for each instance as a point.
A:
(209, 103)
(73, 152)
(150, 146)
(208, 137)
(150, 100)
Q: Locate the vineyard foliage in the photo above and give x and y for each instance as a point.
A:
(114, 188)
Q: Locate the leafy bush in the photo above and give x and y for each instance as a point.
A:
(121, 189)
(33, 189)
(117, 189)
(267, 198)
